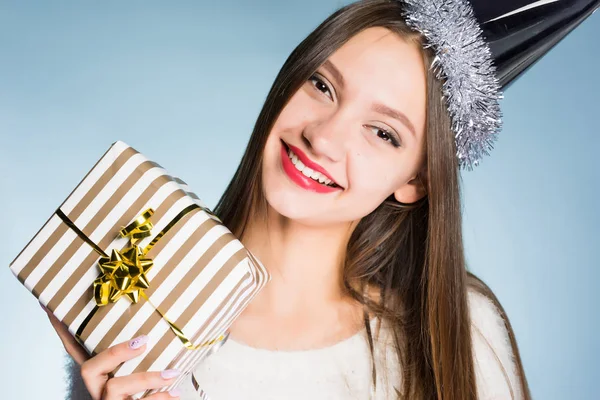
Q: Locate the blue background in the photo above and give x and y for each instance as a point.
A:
(184, 81)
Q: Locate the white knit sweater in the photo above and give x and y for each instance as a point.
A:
(341, 371)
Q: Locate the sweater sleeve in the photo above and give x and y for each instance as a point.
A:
(495, 368)
(76, 389)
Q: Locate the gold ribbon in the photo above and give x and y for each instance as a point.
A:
(124, 272)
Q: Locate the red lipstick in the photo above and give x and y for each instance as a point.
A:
(298, 177)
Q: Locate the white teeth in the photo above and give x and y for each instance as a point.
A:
(308, 172)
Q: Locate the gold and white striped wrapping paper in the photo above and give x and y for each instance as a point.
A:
(202, 277)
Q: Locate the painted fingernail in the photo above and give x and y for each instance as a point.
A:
(43, 306)
(174, 392)
(138, 342)
(169, 373)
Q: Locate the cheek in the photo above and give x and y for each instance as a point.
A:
(296, 111)
(372, 177)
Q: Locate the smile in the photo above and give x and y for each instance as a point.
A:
(304, 172)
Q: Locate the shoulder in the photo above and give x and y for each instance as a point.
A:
(495, 368)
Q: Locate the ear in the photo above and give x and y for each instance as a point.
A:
(412, 191)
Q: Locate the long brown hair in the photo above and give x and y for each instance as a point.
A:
(412, 253)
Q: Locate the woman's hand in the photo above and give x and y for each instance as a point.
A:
(95, 370)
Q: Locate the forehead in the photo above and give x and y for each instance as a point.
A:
(380, 66)
(381, 51)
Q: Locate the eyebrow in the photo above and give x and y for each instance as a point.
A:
(378, 108)
(337, 75)
(390, 112)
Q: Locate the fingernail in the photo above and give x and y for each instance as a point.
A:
(43, 306)
(174, 392)
(138, 342)
(169, 373)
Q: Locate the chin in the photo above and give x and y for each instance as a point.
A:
(289, 203)
(304, 207)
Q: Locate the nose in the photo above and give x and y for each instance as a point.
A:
(329, 137)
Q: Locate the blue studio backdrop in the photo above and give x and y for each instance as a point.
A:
(183, 82)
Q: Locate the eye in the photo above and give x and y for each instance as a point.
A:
(386, 135)
(320, 85)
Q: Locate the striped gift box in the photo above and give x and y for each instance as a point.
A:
(202, 276)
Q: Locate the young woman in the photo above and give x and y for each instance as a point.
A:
(349, 193)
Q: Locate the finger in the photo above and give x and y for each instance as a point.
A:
(123, 386)
(94, 371)
(107, 360)
(170, 395)
(75, 350)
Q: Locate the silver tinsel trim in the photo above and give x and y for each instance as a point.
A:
(463, 59)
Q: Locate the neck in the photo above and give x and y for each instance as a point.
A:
(305, 263)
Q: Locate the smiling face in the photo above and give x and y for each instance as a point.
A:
(352, 135)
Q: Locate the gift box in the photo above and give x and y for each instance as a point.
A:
(133, 251)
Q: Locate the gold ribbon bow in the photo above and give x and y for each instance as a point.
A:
(124, 272)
